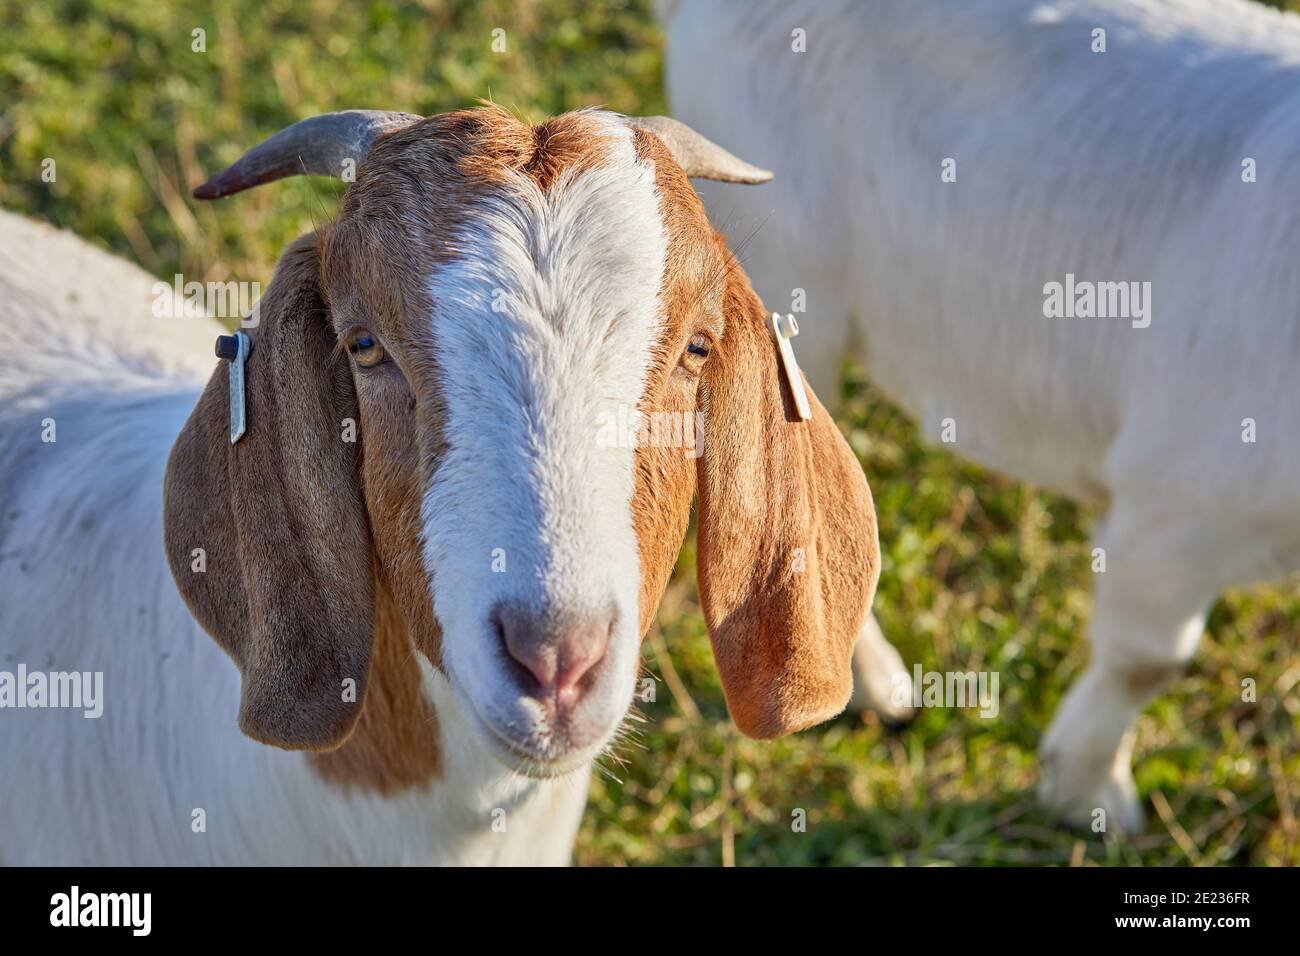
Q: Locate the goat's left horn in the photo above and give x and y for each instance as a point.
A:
(319, 146)
(699, 157)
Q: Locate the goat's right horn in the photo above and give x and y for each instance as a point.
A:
(699, 157)
(319, 146)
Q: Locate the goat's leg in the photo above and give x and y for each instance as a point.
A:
(1148, 617)
(880, 681)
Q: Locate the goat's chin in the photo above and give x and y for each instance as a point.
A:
(554, 762)
(548, 769)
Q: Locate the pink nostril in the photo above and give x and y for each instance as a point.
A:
(557, 650)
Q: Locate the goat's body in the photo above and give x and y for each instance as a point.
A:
(86, 588)
(1117, 166)
(1063, 166)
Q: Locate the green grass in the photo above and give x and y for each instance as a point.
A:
(979, 572)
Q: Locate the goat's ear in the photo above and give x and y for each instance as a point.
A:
(788, 555)
(283, 578)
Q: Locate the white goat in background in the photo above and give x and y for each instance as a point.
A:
(944, 172)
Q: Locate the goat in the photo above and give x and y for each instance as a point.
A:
(945, 172)
(431, 575)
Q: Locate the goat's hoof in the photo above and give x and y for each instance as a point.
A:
(880, 681)
(881, 684)
(1111, 806)
(895, 716)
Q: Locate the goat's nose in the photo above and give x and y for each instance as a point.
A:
(558, 650)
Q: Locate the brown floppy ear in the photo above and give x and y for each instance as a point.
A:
(285, 586)
(788, 554)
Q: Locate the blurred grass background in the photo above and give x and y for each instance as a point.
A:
(980, 573)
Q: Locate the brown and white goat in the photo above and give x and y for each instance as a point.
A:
(432, 575)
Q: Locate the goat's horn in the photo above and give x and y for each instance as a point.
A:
(700, 158)
(320, 146)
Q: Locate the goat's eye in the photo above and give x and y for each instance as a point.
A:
(366, 350)
(698, 347)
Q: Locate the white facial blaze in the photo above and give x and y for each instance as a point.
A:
(543, 328)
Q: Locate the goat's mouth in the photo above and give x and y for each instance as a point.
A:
(543, 699)
(532, 761)
(536, 746)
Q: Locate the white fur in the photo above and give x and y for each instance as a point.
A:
(543, 326)
(1123, 165)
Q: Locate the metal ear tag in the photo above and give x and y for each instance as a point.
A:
(785, 328)
(235, 349)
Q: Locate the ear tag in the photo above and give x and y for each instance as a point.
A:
(785, 328)
(235, 349)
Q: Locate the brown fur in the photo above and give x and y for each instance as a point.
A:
(287, 585)
(788, 558)
(665, 477)
(771, 488)
(315, 569)
(395, 743)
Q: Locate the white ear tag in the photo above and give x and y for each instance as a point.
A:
(785, 328)
(235, 349)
